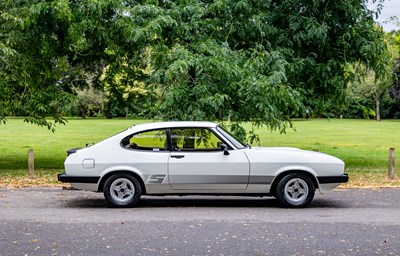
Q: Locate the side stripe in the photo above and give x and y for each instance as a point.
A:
(220, 179)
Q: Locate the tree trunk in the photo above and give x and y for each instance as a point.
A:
(378, 109)
(83, 112)
(108, 110)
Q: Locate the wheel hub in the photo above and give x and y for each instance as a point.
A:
(122, 190)
(296, 190)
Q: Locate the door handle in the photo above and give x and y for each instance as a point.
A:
(178, 156)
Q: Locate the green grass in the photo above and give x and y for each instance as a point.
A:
(362, 144)
(16, 137)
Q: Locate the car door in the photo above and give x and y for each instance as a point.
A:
(197, 162)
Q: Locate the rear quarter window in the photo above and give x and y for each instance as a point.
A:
(153, 140)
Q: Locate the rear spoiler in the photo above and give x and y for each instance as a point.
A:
(72, 151)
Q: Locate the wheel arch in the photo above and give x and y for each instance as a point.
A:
(109, 174)
(287, 172)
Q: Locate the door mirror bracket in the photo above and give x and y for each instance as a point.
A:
(225, 149)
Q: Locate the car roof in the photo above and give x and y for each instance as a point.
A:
(173, 124)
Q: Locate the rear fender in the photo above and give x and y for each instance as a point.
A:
(122, 169)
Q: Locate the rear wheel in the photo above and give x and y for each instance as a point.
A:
(122, 190)
(295, 190)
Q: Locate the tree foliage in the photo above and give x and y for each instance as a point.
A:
(50, 47)
(373, 86)
(395, 88)
(261, 61)
(244, 61)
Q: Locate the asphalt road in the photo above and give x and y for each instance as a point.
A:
(51, 221)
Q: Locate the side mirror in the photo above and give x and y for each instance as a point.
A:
(225, 149)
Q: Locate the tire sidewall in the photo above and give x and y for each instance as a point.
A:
(280, 191)
(107, 191)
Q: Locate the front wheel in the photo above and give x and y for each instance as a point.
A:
(295, 190)
(122, 190)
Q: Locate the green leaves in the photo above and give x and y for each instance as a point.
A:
(262, 62)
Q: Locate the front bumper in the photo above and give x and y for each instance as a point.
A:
(333, 179)
(77, 179)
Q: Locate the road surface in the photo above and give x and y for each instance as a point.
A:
(52, 221)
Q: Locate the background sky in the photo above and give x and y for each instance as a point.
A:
(391, 8)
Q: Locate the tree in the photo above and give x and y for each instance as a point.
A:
(89, 101)
(261, 62)
(395, 87)
(368, 91)
(244, 61)
(125, 84)
(50, 47)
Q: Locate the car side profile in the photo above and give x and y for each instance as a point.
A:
(186, 158)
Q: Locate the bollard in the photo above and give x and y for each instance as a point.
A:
(31, 163)
(391, 163)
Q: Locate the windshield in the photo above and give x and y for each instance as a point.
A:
(230, 137)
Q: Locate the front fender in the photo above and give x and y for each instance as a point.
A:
(292, 169)
(295, 168)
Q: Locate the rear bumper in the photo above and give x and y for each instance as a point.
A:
(77, 179)
(333, 179)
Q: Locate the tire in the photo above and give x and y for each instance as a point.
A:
(295, 190)
(122, 190)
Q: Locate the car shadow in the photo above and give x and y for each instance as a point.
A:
(85, 203)
(200, 202)
(203, 201)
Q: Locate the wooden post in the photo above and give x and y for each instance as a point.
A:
(391, 163)
(31, 163)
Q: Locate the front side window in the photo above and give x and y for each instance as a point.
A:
(154, 140)
(194, 139)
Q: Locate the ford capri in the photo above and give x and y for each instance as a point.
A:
(197, 158)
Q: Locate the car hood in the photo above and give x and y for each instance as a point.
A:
(287, 154)
(275, 148)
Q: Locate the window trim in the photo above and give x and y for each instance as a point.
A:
(238, 144)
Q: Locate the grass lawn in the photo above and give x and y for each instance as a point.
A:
(362, 144)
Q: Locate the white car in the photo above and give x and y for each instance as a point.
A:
(182, 158)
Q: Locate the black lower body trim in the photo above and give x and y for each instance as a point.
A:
(333, 179)
(77, 179)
